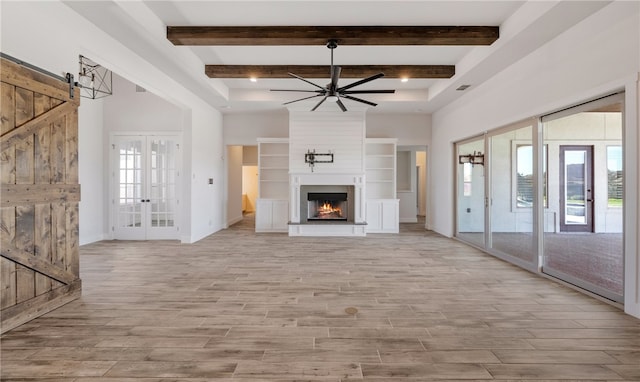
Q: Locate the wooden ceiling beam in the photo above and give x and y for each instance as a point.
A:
(322, 71)
(345, 35)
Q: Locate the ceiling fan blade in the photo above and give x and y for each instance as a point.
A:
(299, 91)
(368, 92)
(371, 78)
(341, 105)
(335, 76)
(319, 103)
(302, 99)
(309, 82)
(360, 100)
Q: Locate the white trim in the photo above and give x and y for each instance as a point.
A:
(631, 198)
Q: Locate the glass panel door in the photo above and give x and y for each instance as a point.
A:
(583, 225)
(576, 193)
(512, 195)
(130, 188)
(162, 183)
(145, 180)
(470, 203)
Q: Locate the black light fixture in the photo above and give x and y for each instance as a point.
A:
(94, 80)
(475, 158)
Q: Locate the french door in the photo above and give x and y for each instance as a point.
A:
(145, 196)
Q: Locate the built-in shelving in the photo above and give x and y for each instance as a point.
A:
(272, 206)
(382, 207)
(380, 168)
(273, 168)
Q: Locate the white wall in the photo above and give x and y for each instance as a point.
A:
(409, 129)
(205, 143)
(92, 171)
(597, 56)
(57, 36)
(128, 110)
(245, 129)
(250, 155)
(342, 133)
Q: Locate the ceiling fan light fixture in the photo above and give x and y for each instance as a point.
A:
(332, 91)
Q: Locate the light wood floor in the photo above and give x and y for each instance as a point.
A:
(240, 306)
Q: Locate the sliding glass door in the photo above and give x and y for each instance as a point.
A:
(512, 189)
(470, 192)
(547, 194)
(583, 238)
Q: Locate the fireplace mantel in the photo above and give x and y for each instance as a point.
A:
(355, 228)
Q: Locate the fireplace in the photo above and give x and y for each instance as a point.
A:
(327, 206)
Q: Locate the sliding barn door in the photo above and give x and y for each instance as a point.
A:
(40, 194)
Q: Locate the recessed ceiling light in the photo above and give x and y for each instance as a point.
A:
(463, 87)
(253, 79)
(404, 79)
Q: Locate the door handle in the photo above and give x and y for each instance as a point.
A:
(590, 200)
(145, 200)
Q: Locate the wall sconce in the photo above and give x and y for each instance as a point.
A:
(475, 158)
(311, 157)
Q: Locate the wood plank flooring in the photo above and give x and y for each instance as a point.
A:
(240, 306)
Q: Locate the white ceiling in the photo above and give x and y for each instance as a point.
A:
(524, 26)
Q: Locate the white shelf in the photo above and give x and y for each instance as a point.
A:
(273, 168)
(380, 165)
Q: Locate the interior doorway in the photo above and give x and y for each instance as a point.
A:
(242, 182)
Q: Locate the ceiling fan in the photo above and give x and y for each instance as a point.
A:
(332, 91)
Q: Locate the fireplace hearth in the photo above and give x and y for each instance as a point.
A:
(327, 206)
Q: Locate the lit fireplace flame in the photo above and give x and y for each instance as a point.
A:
(327, 208)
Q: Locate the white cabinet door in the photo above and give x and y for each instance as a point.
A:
(390, 216)
(280, 215)
(382, 216)
(272, 215)
(145, 183)
(374, 216)
(263, 215)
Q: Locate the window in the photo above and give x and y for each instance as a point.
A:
(467, 173)
(524, 173)
(614, 176)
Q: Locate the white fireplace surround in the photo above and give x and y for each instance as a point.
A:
(355, 228)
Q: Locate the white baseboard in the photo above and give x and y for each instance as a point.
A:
(234, 221)
(93, 238)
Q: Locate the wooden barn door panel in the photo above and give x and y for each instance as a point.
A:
(39, 263)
